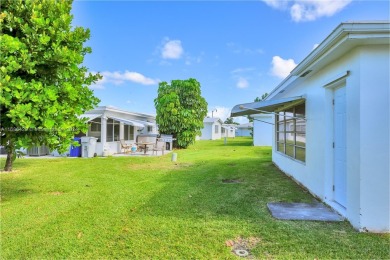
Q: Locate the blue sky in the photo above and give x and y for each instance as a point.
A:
(237, 50)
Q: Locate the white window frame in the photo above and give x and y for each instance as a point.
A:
(129, 131)
(289, 116)
(114, 125)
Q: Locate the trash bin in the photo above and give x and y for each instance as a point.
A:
(88, 145)
(75, 151)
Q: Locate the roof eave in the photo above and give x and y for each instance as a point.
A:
(352, 32)
(343, 33)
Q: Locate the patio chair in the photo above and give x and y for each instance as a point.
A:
(126, 147)
(159, 146)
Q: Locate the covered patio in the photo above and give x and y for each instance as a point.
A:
(111, 125)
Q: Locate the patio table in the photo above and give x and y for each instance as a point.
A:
(145, 145)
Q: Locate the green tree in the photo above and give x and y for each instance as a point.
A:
(264, 96)
(180, 110)
(230, 121)
(44, 88)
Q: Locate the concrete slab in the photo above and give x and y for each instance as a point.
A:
(302, 211)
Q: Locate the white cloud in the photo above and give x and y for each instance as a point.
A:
(97, 86)
(242, 76)
(172, 49)
(139, 78)
(118, 78)
(281, 68)
(277, 4)
(309, 10)
(194, 59)
(222, 112)
(242, 83)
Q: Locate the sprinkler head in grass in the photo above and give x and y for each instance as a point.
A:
(241, 252)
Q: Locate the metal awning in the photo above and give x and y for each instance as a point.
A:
(90, 116)
(267, 106)
(127, 121)
(145, 123)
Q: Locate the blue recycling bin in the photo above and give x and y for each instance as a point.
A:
(75, 151)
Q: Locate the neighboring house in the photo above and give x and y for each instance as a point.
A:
(228, 130)
(109, 125)
(211, 129)
(331, 130)
(262, 129)
(244, 129)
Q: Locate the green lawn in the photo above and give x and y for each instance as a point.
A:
(150, 207)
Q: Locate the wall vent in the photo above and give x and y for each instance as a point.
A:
(306, 72)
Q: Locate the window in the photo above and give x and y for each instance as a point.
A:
(222, 130)
(216, 129)
(128, 132)
(112, 130)
(150, 128)
(291, 132)
(95, 128)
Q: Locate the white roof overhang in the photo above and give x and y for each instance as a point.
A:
(127, 121)
(90, 117)
(268, 106)
(344, 38)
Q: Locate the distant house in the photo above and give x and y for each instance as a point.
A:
(228, 130)
(110, 125)
(262, 129)
(244, 129)
(332, 121)
(211, 130)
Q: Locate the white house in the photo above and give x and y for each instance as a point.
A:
(262, 129)
(211, 129)
(110, 125)
(228, 130)
(244, 129)
(332, 123)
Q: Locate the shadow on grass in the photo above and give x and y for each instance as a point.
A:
(15, 187)
(233, 142)
(200, 190)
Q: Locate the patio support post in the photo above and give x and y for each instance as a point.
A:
(103, 131)
(121, 131)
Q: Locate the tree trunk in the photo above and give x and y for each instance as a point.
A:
(9, 161)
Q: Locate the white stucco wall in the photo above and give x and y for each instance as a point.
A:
(367, 126)
(206, 132)
(374, 138)
(262, 132)
(230, 131)
(216, 135)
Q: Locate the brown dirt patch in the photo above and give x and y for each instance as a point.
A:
(241, 243)
(231, 181)
(56, 193)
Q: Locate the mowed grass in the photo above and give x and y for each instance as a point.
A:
(150, 207)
